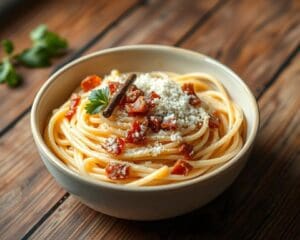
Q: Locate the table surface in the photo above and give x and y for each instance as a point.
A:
(257, 39)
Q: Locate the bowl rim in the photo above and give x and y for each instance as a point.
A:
(50, 156)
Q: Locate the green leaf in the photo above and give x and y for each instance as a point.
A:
(46, 44)
(4, 70)
(98, 100)
(35, 57)
(50, 41)
(14, 79)
(8, 74)
(38, 32)
(8, 46)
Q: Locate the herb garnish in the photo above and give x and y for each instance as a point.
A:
(98, 100)
(45, 45)
(8, 73)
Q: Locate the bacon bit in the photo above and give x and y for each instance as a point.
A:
(90, 82)
(169, 123)
(155, 123)
(214, 121)
(113, 86)
(181, 167)
(131, 96)
(188, 88)
(117, 171)
(139, 107)
(133, 93)
(194, 100)
(153, 95)
(114, 145)
(75, 99)
(137, 133)
(187, 150)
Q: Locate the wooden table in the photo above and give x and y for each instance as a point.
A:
(257, 39)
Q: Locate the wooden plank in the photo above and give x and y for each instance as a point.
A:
(12, 172)
(159, 22)
(251, 37)
(73, 226)
(264, 199)
(269, 206)
(87, 19)
(27, 190)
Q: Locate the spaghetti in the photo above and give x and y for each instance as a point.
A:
(167, 128)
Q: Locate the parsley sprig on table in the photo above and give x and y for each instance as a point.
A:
(8, 73)
(45, 46)
(98, 100)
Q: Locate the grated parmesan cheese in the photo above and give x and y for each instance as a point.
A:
(154, 150)
(176, 137)
(111, 144)
(173, 102)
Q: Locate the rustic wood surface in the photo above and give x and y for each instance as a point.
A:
(258, 39)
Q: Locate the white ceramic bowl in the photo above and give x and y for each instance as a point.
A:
(142, 203)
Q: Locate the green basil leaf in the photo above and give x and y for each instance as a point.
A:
(38, 33)
(4, 71)
(35, 57)
(8, 46)
(8, 74)
(50, 41)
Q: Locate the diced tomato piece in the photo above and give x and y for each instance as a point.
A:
(74, 102)
(214, 121)
(138, 107)
(194, 100)
(188, 88)
(90, 82)
(154, 95)
(117, 171)
(187, 150)
(75, 99)
(113, 87)
(114, 145)
(169, 123)
(131, 96)
(181, 167)
(151, 103)
(155, 123)
(133, 93)
(137, 133)
(69, 114)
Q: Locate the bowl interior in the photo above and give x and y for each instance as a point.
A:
(140, 58)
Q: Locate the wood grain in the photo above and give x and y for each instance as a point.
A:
(251, 37)
(159, 22)
(270, 201)
(27, 190)
(12, 172)
(263, 201)
(79, 22)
